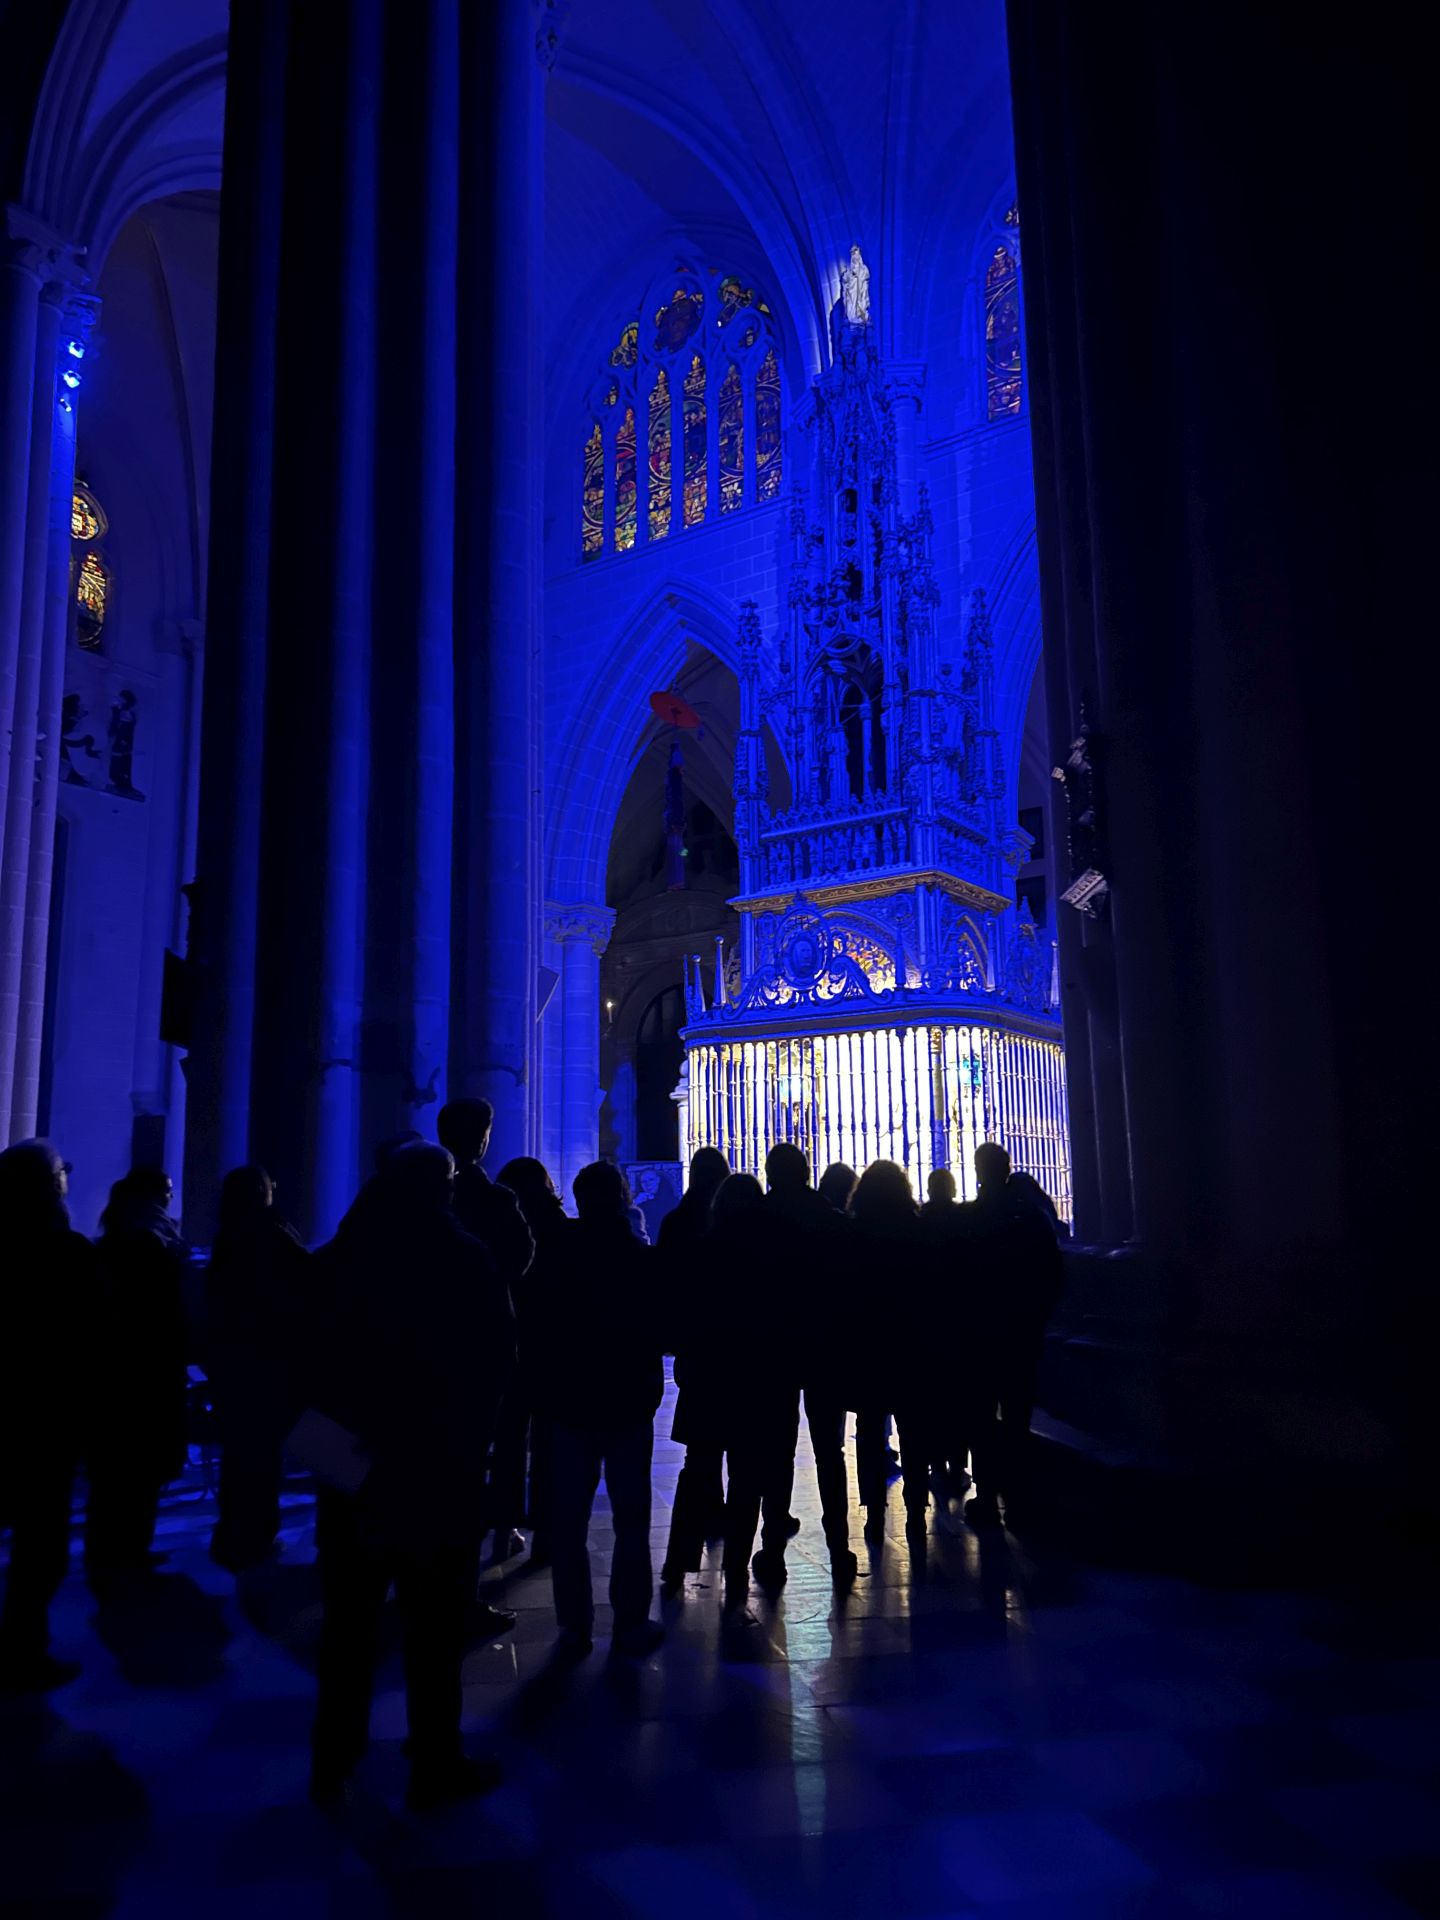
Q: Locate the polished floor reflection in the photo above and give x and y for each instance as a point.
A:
(975, 1728)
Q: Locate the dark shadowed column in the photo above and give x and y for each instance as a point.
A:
(1224, 477)
(493, 1038)
(323, 946)
(224, 900)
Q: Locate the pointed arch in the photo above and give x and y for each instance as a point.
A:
(600, 745)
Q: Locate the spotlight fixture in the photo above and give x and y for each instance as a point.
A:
(71, 378)
(75, 349)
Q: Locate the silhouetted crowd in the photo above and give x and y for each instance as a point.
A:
(464, 1360)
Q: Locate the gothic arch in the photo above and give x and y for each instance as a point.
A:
(798, 282)
(1014, 595)
(86, 186)
(597, 754)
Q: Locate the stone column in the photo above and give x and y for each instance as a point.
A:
(581, 932)
(35, 628)
(77, 318)
(221, 945)
(499, 448)
(21, 274)
(354, 573)
(1221, 574)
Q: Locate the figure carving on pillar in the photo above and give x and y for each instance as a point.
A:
(71, 714)
(855, 289)
(1088, 884)
(122, 747)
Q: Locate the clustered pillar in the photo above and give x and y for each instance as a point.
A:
(1224, 577)
(580, 934)
(362, 930)
(45, 318)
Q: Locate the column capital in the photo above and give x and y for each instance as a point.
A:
(907, 377)
(579, 920)
(549, 17)
(34, 245)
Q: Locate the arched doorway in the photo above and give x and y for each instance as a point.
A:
(669, 882)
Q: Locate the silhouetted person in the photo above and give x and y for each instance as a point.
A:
(1018, 1278)
(600, 1377)
(943, 1222)
(47, 1326)
(416, 1348)
(900, 1375)
(256, 1298)
(138, 1442)
(940, 1206)
(810, 1317)
(518, 1443)
(492, 1213)
(355, 1220)
(1026, 1191)
(482, 1206)
(699, 1510)
(837, 1186)
(754, 1351)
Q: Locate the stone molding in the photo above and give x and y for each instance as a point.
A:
(34, 246)
(579, 920)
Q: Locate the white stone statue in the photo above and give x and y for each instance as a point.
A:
(855, 287)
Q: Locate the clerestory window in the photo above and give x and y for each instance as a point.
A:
(684, 419)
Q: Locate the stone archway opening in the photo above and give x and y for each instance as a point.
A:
(672, 870)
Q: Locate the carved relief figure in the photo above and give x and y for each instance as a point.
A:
(71, 714)
(122, 747)
(855, 289)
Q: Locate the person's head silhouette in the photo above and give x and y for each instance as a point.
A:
(527, 1178)
(246, 1196)
(941, 1184)
(601, 1191)
(739, 1195)
(387, 1148)
(837, 1186)
(883, 1195)
(464, 1127)
(420, 1176)
(992, 1166)
(34, 1181)
(786, 1168)
(708, 1169)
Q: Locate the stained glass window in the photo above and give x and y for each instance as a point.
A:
(695, 438)
(732, 441)
(592, 500)
(625, 484)
(88, 526)
(733, 296)
(767, 428)
(660, 457)
(675, 323)
(92, 593)
(672, 450)
(1003, 379)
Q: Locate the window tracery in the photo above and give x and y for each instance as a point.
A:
(1004, 372)
(89, 525)
(689, 397)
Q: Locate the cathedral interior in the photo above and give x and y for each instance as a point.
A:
(717, 573)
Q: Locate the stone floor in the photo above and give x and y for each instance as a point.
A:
(974, 1729)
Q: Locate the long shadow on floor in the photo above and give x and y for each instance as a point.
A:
(71, 1817)
(282, 1602)
(165, 1632)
